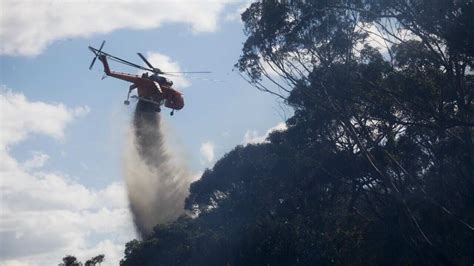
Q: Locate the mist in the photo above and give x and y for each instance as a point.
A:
(157, 179)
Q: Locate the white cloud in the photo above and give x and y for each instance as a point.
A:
(196, 176)
(37, 161)
(378, 37)
(20, 117)
(253, 137)
(46, 215)
(270, 69)
(81, 111)
(166, 64)
(15, 263)
(207, 152)
(30, 26)
(235, 15)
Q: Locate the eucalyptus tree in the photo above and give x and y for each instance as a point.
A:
(389, 82)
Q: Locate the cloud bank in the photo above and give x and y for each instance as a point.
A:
(207, 152)
(44, 214)
(30, 26)
(166, 64)
(253, 137)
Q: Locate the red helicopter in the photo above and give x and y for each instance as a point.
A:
(154, 88)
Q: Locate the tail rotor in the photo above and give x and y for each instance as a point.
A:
(96, 52)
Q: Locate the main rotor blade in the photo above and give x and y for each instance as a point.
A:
(188, 72)
(118, 59)
(125, 62)
(98, 52)
(146, 61)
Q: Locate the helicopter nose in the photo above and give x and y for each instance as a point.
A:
(178, 102)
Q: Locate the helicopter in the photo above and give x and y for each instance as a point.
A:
(154, 89)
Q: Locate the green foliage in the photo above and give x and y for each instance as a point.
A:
(70, 260)
(97, 260)
(377, 164)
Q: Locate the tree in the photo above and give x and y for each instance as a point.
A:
(95, 260)
(408, 112)
(70, 260)
(376, 166)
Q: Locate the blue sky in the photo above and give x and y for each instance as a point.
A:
(65, 128)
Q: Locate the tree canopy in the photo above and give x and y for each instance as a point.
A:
(70, 260)
(377, 163)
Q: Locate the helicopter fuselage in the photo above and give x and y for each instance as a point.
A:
(148, 88)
